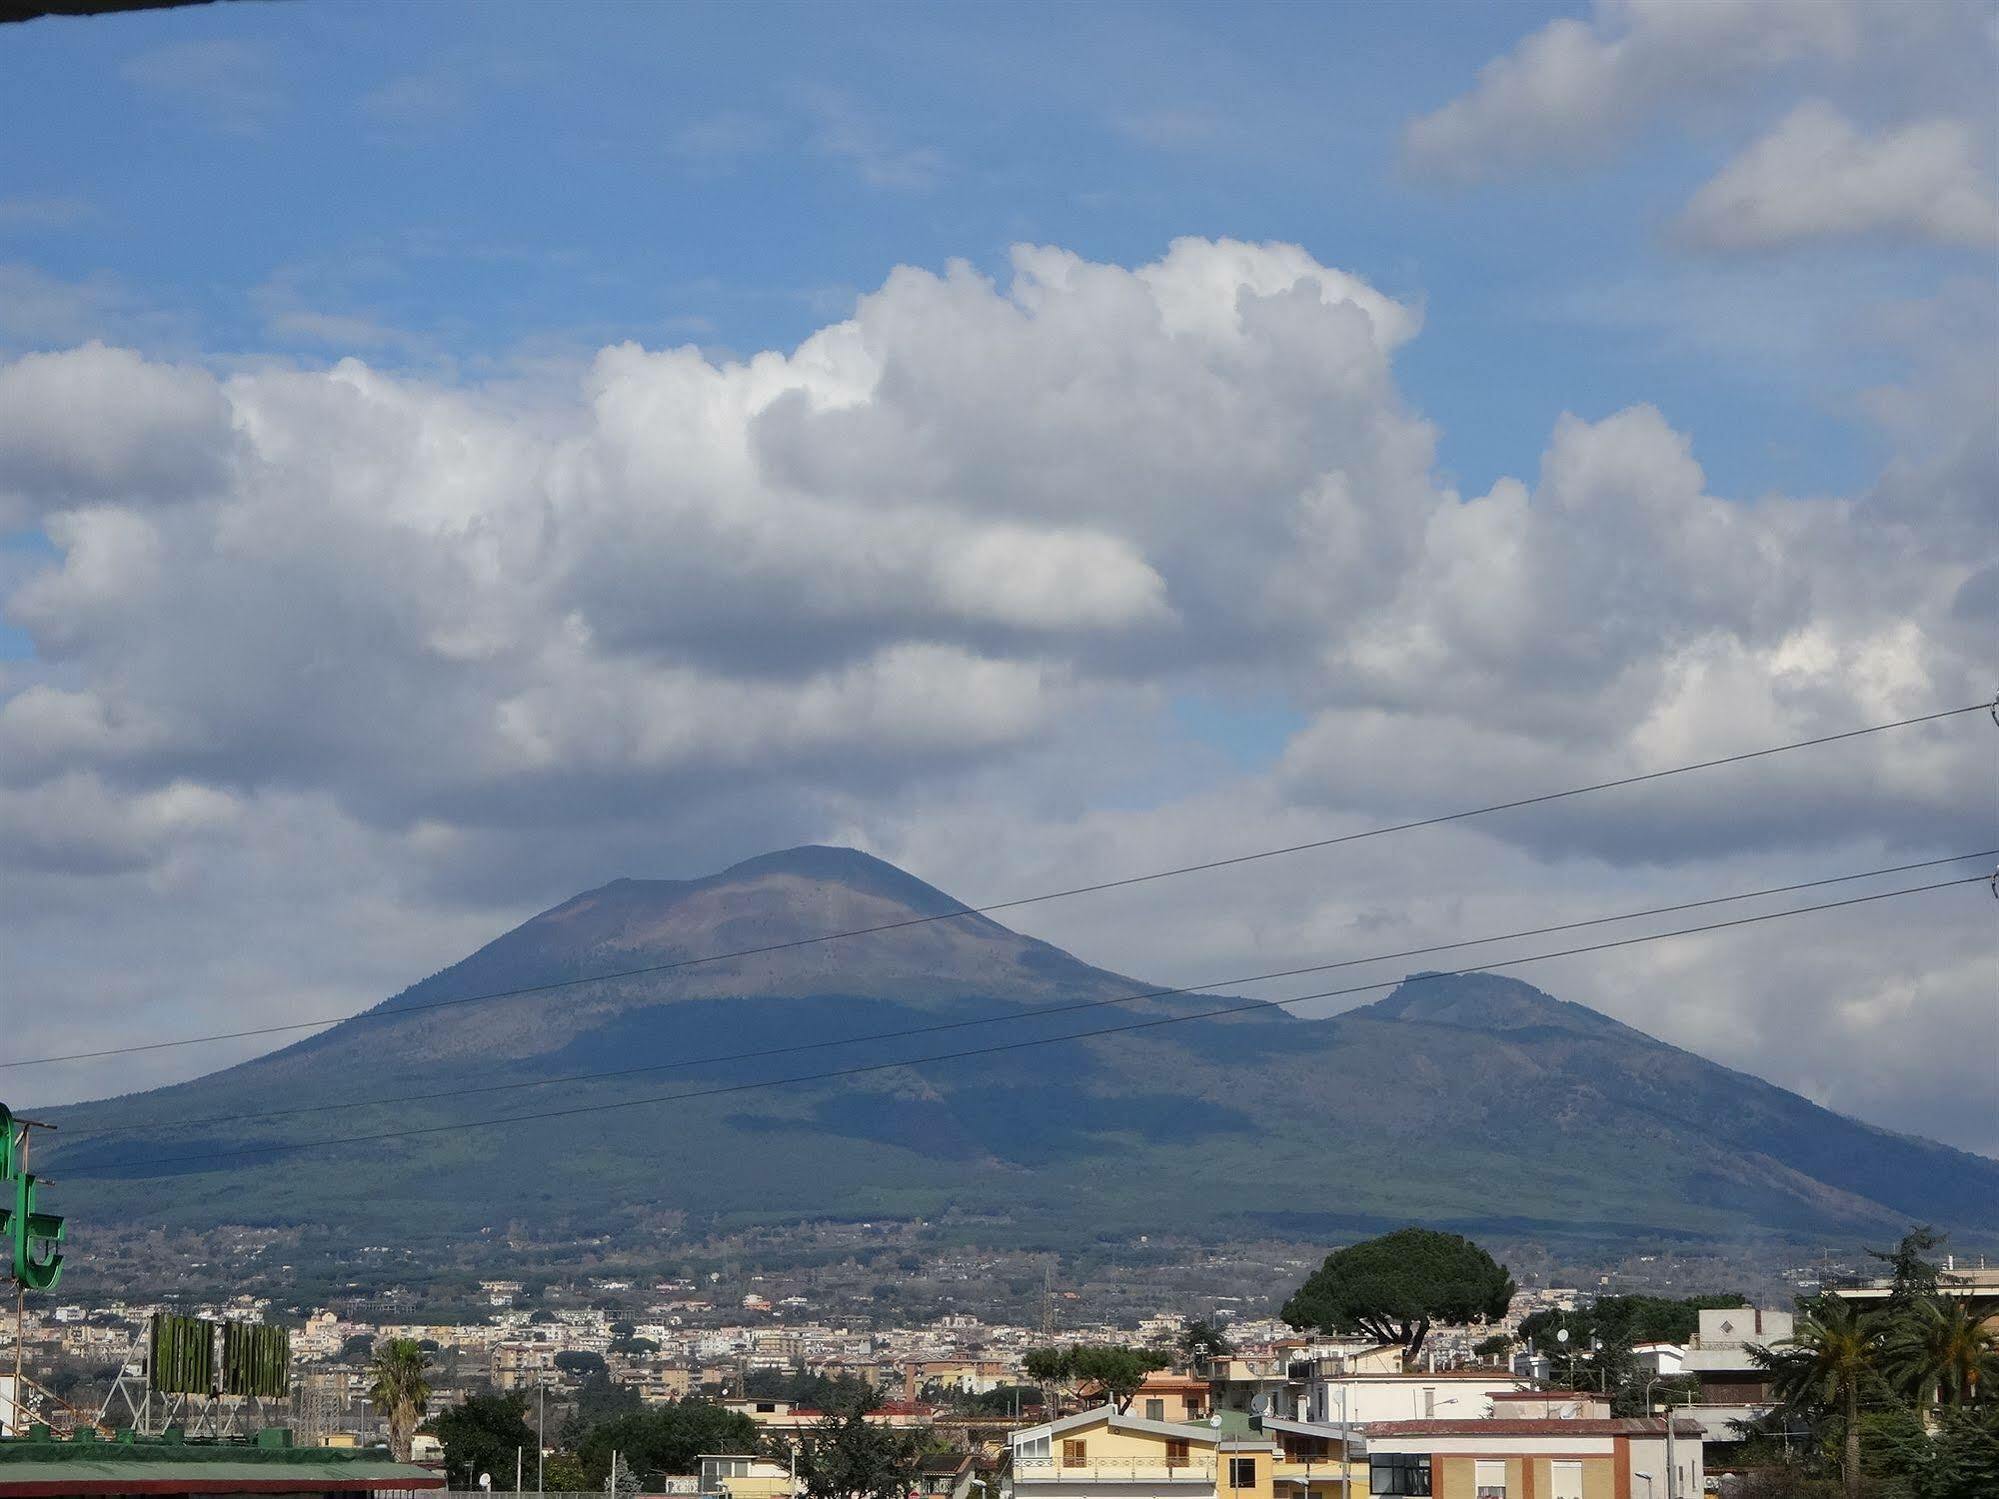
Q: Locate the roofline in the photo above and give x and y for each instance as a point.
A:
(1212, 1436)
(1350, 1432)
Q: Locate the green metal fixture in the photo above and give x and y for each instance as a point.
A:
(31, 1235)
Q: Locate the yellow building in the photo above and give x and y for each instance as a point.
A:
(1099, 1454)
(1166, 1396)
(740, 1476)
(1318, 1460)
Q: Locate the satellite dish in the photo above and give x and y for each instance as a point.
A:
(1562, 1336)
(1215, 1421)
(1260, 1406)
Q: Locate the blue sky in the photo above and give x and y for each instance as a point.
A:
(467, 184)
(360, 596)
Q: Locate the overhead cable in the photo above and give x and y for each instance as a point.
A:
(1021, 1014)
(148, 1166)
(390, 1011)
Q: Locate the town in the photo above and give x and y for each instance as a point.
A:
(657, 1387)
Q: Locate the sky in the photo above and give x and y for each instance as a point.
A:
(453, 456)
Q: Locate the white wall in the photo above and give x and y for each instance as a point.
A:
(1403, 1398)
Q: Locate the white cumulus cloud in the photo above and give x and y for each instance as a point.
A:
(1816, 176)
(428, 655)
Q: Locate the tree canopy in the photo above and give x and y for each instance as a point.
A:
(845, 1457)
(838, 1393)
(1912, 1275)
(664, 1439)
(1624, 1320)
(483, 1434)
(1116, 1371)
(1202, 1339)
(399, 1388)
(1829, 1363)
(1392, 1288)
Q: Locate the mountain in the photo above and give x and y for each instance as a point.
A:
(1476, 1102)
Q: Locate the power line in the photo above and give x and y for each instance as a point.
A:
(380, 1013)
(107, 1167)
(1030, 1014)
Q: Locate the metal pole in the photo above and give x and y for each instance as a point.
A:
(517, 1470)
(15, 1424)
(540, 1435)
(1346, 1453)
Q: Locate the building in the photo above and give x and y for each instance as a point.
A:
(1237, 1380)
(947, 1477)
(1734, 1389)
(967, 1376)
(1099, 1454)
(1317, 1461)
(1166, 1396)
(524, 1366)
(656, 1383)
(737, 1476)
(1366, 1395)
(1591, 1455)
(1976, 1286)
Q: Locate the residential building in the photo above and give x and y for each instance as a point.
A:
(1317, 1460)
(969, 1376)
(1977, 1286)
(1236, 1380)
(1735, 1390)
(1502, 1457)
(1364, 1396)
(1166, 1396)
(524, 1366)
(1099, 1454)
(737, 1476)
(946, 1477)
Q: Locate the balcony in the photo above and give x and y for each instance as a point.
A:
(1031, 1470)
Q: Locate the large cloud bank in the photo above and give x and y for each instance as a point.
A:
(301, 633)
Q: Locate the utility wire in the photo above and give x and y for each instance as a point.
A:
(396, 1013)
(109, 1167)
(1025, 1014)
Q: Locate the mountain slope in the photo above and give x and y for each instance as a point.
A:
(1473, 1101)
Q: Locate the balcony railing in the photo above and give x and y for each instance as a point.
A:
(1113, 1470)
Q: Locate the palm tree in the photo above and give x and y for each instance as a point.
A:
(1833, 1350)
(1941, 1352)
(400, 1390)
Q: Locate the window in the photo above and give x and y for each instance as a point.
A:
(1155, 1410)
(1488, 1480)
(1399, 1473)
(1074, 1454)
(1242, 1472)
(1032, 1448)
(1565, 1479)
(1176, 1452)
